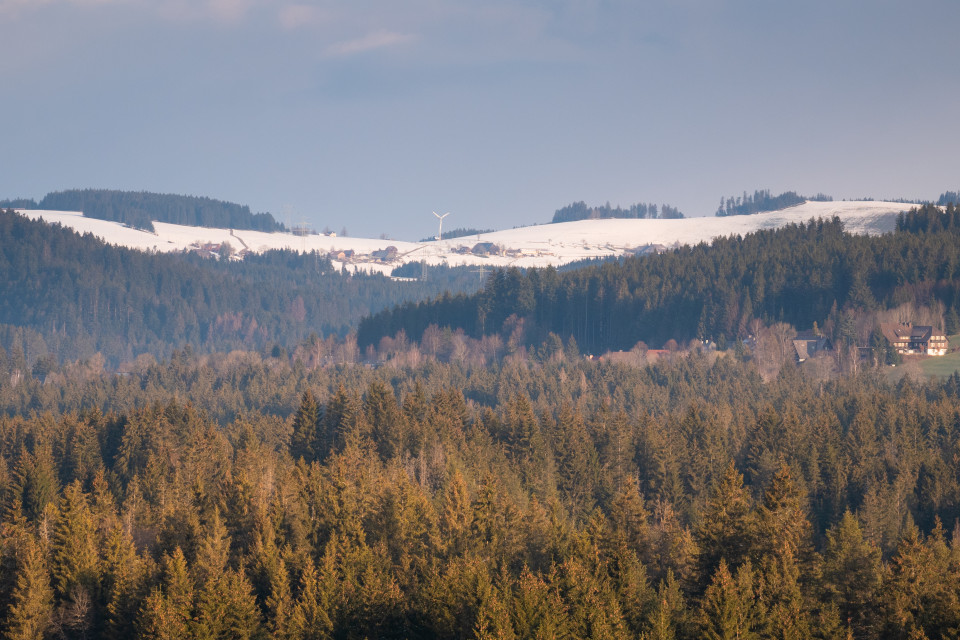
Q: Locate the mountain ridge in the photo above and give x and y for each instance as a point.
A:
(552, 244)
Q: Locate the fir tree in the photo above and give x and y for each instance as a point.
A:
(122, 581)
(167, 612)
(731, 609)
(306, 441)
(537, 610)
(31, 609)
(727, 529)
(75, 561)
(455, 517)
(851, 573)
(311, 616)
(667, 614)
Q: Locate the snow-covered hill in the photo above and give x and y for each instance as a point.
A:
(541, 245)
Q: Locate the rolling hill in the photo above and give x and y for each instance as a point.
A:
(534, 246)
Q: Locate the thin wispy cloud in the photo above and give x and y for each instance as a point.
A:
(15, 7)
(480, 28)
(219, 12)
(370, 42)
(299, 16)
(229, 11)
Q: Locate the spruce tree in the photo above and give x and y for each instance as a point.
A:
(386, 420)
(731, 607)
(311, 615)
(122, 580)
(34, 484)
(167, 612)
(537, 610)
(851, 573)
(31, 609)
(306, 441)
(75, 562)
(668, 612)
(280, 605)
(782, 525)
(455, 517)
(727, 528)
(227, 609)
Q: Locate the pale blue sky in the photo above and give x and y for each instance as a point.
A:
(371, 114)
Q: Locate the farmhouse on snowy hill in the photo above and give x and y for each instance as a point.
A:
(921, 339)
(386, 255)
(485, 249)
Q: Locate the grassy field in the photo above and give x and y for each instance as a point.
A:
(944, 365)
(928, 367)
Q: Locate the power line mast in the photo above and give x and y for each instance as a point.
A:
(303, 230)
(482, 271)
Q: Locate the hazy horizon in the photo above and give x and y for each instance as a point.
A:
(371, 116)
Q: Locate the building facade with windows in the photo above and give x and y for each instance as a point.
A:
(919, 339)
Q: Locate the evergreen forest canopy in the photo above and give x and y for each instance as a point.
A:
(140, 208)
(580, 211)
(762, 200)
(247, 497)
(464, 484)
(459, 232)
(949, 197)
(797, 275)
(71, 297)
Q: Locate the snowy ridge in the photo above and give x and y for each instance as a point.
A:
(536, 246)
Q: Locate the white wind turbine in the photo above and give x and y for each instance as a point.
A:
(440, 217)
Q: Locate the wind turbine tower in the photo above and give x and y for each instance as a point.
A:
(440, 230)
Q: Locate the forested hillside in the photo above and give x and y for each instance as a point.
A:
(762, 200)
(459, 232)
(799, 275)
(949, 197)
(580, 211)
(139, 208)
(235, 496)
(72, 296)
(265, 483)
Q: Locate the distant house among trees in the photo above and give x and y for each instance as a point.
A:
(920, 339)
(808, 344)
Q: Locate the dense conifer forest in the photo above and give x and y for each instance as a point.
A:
(580, 211)
(762, 200)
(459, 469)
(459, 232)
(140, 208)
(251, 497)
(949, 197)
(798, 275)
(72, 296)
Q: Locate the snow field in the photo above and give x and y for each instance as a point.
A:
(535, 246)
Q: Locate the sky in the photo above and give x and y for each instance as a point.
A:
(369, 115)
